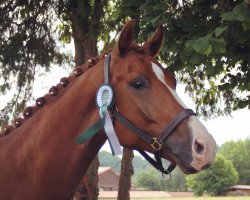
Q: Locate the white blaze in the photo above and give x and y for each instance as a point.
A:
(160, 75)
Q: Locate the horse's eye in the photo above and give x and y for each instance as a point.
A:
(137, 84)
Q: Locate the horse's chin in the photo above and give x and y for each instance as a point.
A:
(184, 166)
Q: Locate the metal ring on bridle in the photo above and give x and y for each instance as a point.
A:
(155, 144)
(167, 176)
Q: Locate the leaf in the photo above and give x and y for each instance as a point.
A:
(246, 26)
(201, 46)
(225, 86)
(195, 59)
(248, 86)
(241, 12)
(219, 45)
(219, 30)
(210, 70)
(209, 50)
(155, 19)
(229, 16)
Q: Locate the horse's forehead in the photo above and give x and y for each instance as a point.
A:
(153, 64)
(147, 65)
(135, 62)
(163, 74)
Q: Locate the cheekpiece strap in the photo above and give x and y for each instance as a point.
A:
(106, 68)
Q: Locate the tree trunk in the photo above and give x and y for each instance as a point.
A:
(126, 173)
(126, 166)
(86, 29)
(88, 188)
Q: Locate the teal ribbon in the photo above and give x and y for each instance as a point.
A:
(95, 128)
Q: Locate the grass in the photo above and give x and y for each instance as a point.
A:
(201, 198)
(190, 198)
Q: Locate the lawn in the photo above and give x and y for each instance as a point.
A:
(190, 198)
(202, 198)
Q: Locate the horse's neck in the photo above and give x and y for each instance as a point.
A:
(44, 153)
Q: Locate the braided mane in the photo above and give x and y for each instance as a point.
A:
(55, 90)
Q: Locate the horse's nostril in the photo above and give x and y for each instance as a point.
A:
(199, 146)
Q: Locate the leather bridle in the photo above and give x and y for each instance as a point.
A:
(155, 142)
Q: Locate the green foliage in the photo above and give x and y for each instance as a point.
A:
(206, 44)
(239, 13)
(213, 180)
(106, 159)
(141, 169)
(28, 43)
(239, 153)
(151, 179)
(139, 163)
(177, 182)
(64, 31)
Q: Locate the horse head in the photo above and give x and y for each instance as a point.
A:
(146, 99)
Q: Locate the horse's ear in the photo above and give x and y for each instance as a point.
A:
(153, 44)
(126, 37)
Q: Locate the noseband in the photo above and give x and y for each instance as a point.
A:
(155, 142)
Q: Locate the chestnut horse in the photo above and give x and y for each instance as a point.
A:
(40, 158)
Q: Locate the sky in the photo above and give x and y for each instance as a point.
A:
(223, 129)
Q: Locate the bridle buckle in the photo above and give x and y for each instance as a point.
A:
(112, 111)
(155, 144)
(166, 177)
